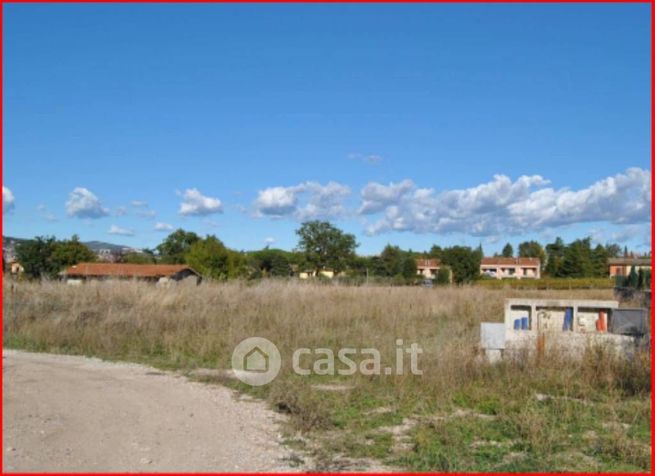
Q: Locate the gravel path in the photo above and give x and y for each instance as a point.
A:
(75, 414)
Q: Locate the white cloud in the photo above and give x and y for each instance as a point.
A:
(269, 241)
(82, 203)
(305, 201)
(503, 206)
(195, 203)
(276, 201)
(139, 204)
(621, 199)
(8, 201)
(117, 230)
(163, 226)
(376, 197)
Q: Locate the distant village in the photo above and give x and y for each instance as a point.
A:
(323, 252)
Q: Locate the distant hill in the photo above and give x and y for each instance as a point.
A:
(93, 245)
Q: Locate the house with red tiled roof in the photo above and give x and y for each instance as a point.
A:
(143, 272)
(623, 266)
(427, 268)
(516, 268)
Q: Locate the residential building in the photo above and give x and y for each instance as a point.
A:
(326, 273)
(515, 268)
(160, 273)
(623, 266)
(428, 268)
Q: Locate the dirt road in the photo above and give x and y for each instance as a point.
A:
(73, 414)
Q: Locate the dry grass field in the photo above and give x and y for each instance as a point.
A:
(459, 415)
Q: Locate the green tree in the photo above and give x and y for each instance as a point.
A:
(632, 280)
(175, 246)
(464, 263)
(443, 275)
(36, 257)
(408, 267)
(392, 258)
(613, 250)
(325, 246)
(599, 262)
(533, 249)
(69, 252)
(577, 261)
(435, 252)
(508, 251)
(641, 279)
(211, 258)
(272, 262)
(555, 256)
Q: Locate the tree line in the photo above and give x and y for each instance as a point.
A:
(322, 246)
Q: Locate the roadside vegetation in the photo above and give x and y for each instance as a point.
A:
(459, 415)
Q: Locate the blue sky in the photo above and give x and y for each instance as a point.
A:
(404, 124)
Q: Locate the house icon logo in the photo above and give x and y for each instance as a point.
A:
(256, 361)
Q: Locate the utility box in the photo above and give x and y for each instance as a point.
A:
(630, 322)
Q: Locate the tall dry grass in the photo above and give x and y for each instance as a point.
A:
(199, 326)
(186, 327)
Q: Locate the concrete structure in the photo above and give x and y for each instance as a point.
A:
(161, 273)
(534, 326)
(516, 268)
(623, 266)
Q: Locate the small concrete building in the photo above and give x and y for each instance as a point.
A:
(565, 326)
(623, 266)
(515, 268)
(159, 273)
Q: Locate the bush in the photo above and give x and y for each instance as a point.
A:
(547, 283)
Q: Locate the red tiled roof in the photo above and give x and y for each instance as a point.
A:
(427, 263)
(502, 261)
(126, 270)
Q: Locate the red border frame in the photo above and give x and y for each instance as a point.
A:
(652, 14)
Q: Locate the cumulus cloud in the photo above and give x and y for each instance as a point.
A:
(117, 230)
(195, 203)
(163, 226)
(8, 201)
(376, 197)
(269, 241)
(82, 203)
(503, 206)
(305, 201)
(277, 201)
(139, 204)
